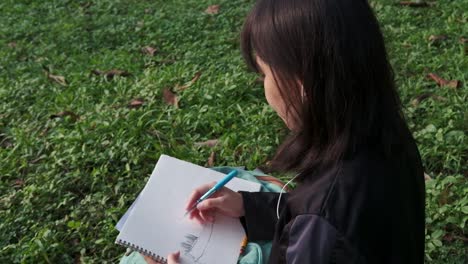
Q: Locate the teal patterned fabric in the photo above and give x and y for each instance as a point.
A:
(255, 253)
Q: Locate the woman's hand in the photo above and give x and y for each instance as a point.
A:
(171, 259)
(224, 201)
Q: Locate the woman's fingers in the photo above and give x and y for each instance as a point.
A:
(224, 201)
(211, 203)
(197, 193)
(150, 260)
(207, 215)
(197, 218)
(173, 258)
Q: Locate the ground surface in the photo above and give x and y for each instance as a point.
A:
(75, 151)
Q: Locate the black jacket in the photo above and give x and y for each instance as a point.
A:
(367, 209)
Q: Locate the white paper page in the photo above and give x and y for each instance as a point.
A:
(157, 221)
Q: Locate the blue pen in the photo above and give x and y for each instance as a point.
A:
(215, 188)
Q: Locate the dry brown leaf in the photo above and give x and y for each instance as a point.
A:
(136, 103)
(442, 82)
(212, 10)
(427, 177)
(148, 50)
(18, 183)
(44, 131)
(111, 73)
(414, 4)
(211, 160)
(57, 78)
(36, 160)
(196, 77)
(436, 39)
(62, 114)
(5, 142)
(449, 238)
(209, 143)
(170, 98)
(453, 84)
(190, 83)
(416, 101)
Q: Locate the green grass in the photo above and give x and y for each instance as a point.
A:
(64, 182)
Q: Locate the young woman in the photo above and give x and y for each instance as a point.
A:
(360, 195)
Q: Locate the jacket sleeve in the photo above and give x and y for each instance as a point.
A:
(260, 214)
(311, 239)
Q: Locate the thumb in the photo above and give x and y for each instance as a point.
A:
(211, 203)
(173, 258)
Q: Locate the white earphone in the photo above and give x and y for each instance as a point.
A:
(281, 193)
(303, 95)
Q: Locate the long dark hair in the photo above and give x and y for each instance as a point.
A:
(335, 49)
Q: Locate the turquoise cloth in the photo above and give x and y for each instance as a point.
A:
(255, 253)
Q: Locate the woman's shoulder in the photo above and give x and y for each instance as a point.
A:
(365, 178)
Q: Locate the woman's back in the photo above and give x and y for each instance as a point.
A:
(369, 209)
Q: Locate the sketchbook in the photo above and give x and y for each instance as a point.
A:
(155, 224)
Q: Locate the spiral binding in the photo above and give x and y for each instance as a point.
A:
(141, 250)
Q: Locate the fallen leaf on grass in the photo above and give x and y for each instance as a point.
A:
(418, 99)
(442, 82)
(148, 50)
(111, 73)
(427, 177)
(444, 194)
(77, 259)
(448, 237)
(74, 117)
(190, 83)
(211, 160)
(136, 103)
(157, 134)
(170, 98)
(5, 142)
(18, 183)
(437, 39)
(196, 77)
(212, 10)
(57, 78)
(44, 131)
(209, 143)
(414, 4)
(36, 160)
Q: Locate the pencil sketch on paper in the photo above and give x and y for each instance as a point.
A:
(195, 245)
